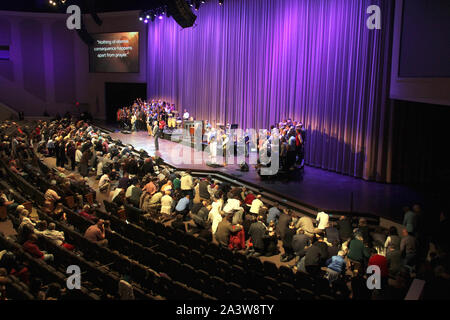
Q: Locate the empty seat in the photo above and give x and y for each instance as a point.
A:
(209, 264)
(239, 275)
(303, 281)
(235, 291)
(213, 249)
(270, 286)
(224, 270)
(161, 259)
(287, 291)
(188, 274)
(251, 295)
(286, 274)
(203, 282)
(321, 286)
(196, 259)
(306, 294)
(220, 288)
(270, 269)
(174, 269)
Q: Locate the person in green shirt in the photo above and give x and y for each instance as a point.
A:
(176, 183)
(358, 253)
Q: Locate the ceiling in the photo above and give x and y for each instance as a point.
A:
(85, 5)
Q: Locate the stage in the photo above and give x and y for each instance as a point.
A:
(314, 186)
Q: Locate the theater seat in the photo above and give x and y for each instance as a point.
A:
(188, 274)
(287, 291)
(196, 259)
(224, 270)
(286, 274)
(306, 294)
(203, 282)
(270, 269)
(235, 291)
(239, 275)
(251, 295)
(220, 288)
(209, 264)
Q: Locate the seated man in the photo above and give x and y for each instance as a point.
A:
(96, 233)
(56, 236)
(335, 266)
(104, 183)
(200, 219)
(287, 243)
(316, 255)
(134, 192)
(32, 248)
(306, 224)
(225, 229)
(166, 203)
(182, 206)
(257, 232)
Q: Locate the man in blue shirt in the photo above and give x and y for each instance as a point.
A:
(335, 266)
(182, 206)
(273, 214)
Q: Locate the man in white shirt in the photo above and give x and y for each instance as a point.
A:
(186, 115)
(322, 218)
(186, 183)
(57, 237)
(234, 206)
(256, 205)
(166, 203)
(104, 183)
(78, 155)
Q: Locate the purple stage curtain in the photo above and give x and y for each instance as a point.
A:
(256, 62)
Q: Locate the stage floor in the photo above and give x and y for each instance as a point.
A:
(316, 187)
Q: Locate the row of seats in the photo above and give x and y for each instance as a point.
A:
(94, 252)
(46, 272)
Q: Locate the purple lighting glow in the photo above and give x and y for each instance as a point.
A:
(160, 17)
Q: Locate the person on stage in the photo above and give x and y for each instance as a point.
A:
(213, 149)
(156, 132)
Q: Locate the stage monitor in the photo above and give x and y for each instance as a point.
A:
(114, 52)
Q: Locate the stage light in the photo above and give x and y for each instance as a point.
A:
(140, 18)
(146, 21)
(148, 17)
(197, 4)
(221, 2)
(160, 17)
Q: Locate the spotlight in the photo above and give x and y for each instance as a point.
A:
(197, 4)
(221, 2)
(148, 17)
(140, 19)
(160, 17)
(145, 21)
